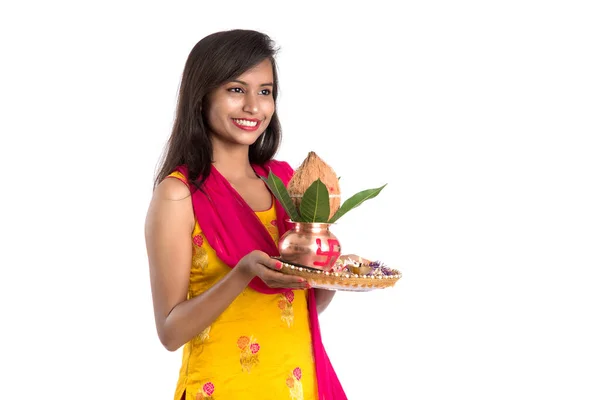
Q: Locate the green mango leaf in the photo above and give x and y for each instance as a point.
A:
(314, 206)
(277, 187)
(355, 201)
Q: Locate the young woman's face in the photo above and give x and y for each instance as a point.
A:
(239, 111)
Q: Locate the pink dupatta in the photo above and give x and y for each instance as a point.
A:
(234, 230)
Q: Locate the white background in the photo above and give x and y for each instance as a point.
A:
(482, 117)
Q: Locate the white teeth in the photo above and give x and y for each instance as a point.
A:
(245, 122)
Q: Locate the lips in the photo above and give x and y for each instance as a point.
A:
(246, 123)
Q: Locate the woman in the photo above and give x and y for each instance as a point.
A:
(248, 331)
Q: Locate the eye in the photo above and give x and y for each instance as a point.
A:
(236, 90)
(265, 92)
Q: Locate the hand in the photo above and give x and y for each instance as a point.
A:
(258, 263)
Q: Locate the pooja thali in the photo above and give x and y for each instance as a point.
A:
(350, 273)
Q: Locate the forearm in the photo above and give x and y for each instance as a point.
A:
(192, 316)
(323, 297)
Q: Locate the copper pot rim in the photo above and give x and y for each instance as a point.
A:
(310, 223)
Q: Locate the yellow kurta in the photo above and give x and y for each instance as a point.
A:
(258, 348)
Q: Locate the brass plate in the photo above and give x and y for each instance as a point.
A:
(344, 281)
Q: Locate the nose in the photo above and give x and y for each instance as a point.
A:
(250, 104)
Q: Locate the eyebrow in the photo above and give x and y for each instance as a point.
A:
(244, 83)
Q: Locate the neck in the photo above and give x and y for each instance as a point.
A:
(232, 160)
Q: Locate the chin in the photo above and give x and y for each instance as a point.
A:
(248, 139)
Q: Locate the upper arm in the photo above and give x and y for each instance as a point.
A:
(169, 226)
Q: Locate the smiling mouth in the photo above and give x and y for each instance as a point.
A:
(246, 124)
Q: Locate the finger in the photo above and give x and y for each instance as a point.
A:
(278, 279)
(271, 263)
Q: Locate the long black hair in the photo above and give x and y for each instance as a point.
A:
(214, 61)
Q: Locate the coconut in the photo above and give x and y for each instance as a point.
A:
(311, 169)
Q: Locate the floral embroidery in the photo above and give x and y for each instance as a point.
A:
(206, 391)
(199, 255)
(286, 307)
(289, 382)
(293, 382)
(272, 228)
(203, 336)
(249, 352)
(198, 240)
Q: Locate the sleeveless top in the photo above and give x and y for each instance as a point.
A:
(260, 347)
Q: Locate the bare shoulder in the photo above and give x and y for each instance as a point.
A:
(172, 189)
(171, 204)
